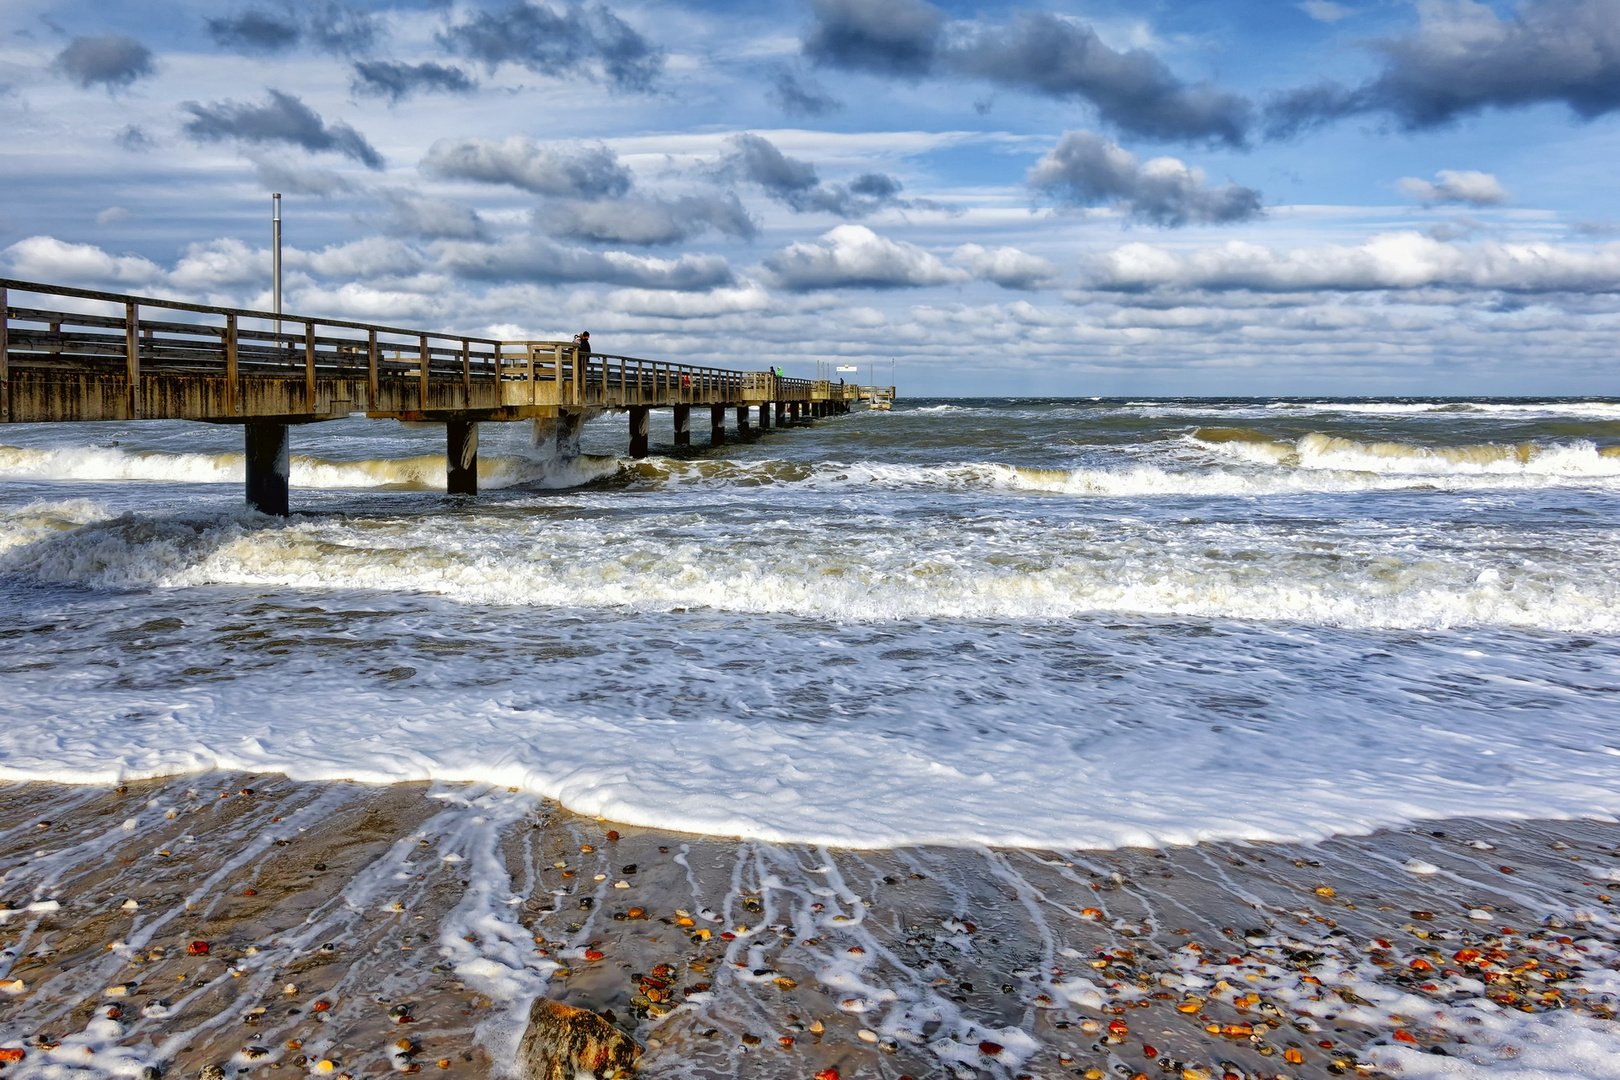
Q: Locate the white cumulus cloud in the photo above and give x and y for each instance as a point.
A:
(1451, 186)
(1398, 260)
(1006, 266)
(855, 256)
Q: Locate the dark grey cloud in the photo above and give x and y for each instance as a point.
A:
(580, 172)
(333, 27)
(885, 37)
(396, 82)
(342, 28)
(579, 40)
(1087, 170)
(281, 119)
(798, 95)
(1036, 52)
(647, 221)
(255, 31)
(533, 258)
(112, 60)
(410, 214)
(1133, 91)
(1464, 58)
(794, 183)
(132, 137)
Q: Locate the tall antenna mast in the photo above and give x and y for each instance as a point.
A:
(275, 258)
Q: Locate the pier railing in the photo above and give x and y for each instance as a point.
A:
(69, 353)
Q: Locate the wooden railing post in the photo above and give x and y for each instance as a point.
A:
(5, 358)
(371, 370)
(232, 403)
(424, 393)
(466, 374)
(531, 374)
(132, 357)
(309, 365)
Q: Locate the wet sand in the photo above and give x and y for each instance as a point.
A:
(362, 930)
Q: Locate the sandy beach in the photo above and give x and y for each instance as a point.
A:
(359, 930)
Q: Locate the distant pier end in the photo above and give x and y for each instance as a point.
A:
(71, 355)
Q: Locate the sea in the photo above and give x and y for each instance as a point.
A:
(1040, 623)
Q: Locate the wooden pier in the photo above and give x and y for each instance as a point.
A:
(79, 355)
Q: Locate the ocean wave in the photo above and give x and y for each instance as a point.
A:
(1019, 573)
(421, 472)
(1574, 460)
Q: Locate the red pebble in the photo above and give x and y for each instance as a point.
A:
(613, 834)
(17, 1053)
(1404, 1036)
(827, 1074)
(1118, 1027)
(114, 1012)
(728, 936)
(322, 1005)
(198, 948)
(250, 892)
(1148, 1051)
(594, 954)
(990, 1049)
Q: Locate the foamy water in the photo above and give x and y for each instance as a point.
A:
(1059, 624)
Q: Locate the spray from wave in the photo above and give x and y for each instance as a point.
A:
(542, 469)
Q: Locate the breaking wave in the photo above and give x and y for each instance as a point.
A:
(424, 472)
(1022, 572)
(1576, 460)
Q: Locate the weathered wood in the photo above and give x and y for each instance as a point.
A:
(683, 425)
(231, 404)
(466, 372)
(638, 431)
(424, 340)
(371, 366)
(132, 357)
(309, 364)
(5, 358)
(717, 425)
(267, 466)
(461, 457)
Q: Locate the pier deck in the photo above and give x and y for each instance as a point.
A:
(71, 354)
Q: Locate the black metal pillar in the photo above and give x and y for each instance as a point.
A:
(638, 430)
(683, 425)
(717, 425)
(267, 467)
(461, 457)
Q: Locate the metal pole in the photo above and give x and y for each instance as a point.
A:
(275, 261)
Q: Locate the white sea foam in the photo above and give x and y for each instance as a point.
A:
(1214, 572)
(419, 472)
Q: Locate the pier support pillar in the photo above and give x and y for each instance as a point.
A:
(638, 430)
(742, 420)
(683, 425)
(267, 467)
(793, 412)
(764, 416)
(781, 414)
(461, 457)
(717, 425)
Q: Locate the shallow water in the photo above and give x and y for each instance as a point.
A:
(1019, 622)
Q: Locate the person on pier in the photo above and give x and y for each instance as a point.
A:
(582, 344)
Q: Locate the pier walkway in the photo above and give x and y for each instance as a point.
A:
(71, 354)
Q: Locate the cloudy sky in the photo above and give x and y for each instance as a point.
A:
(1074, 197)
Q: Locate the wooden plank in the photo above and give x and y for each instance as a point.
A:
(371, 370)
(424, 379)
(231, 394)
(5, 358)
(309, 365)
(531, 374)
(466, 374)
(132, 357)
(204, 309)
